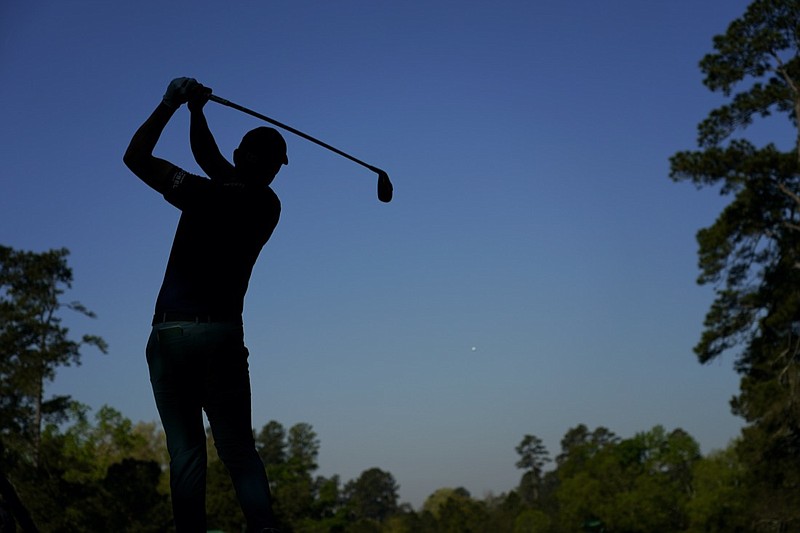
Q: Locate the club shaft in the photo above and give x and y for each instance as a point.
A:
(290, 129)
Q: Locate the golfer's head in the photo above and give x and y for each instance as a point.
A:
(260, 155)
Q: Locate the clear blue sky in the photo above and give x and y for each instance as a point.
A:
(533, 216)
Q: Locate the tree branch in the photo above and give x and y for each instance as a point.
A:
(784, 73)
(17, 508)
(781, 69)
(791, 194)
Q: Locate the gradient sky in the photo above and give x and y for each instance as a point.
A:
(533, 217)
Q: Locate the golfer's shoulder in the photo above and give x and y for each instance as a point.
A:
(262, 200)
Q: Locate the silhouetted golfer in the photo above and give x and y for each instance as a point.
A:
(196, 353)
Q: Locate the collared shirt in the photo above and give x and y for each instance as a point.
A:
(222, 228)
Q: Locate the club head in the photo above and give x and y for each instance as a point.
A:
(385, 188)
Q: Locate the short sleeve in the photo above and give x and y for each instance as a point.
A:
(185, 189)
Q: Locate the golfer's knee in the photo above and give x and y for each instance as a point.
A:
(238, 455)
(187, 461)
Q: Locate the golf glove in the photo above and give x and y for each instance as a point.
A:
(177, 92)
(197, 96)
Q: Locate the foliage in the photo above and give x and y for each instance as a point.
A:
(105, 473)
(373, 496)
(89, 474)
(751, 254)
(532, 521)
(434, 503)
(108, 474)
(33, 344)
(717, 504)
(637, 484)
(533, 456)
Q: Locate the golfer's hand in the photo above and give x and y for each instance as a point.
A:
(197, 97)
(177, 92)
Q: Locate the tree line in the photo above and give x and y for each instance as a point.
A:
(64, 470)
(105, 473)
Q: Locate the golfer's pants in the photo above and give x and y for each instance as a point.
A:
(203, 366)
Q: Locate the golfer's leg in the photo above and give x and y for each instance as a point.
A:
(187, 467)
(179, 406)
(228, 409)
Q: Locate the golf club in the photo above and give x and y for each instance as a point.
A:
(385, 188)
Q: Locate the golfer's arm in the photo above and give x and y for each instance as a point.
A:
(139, 156)
(205, 149)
